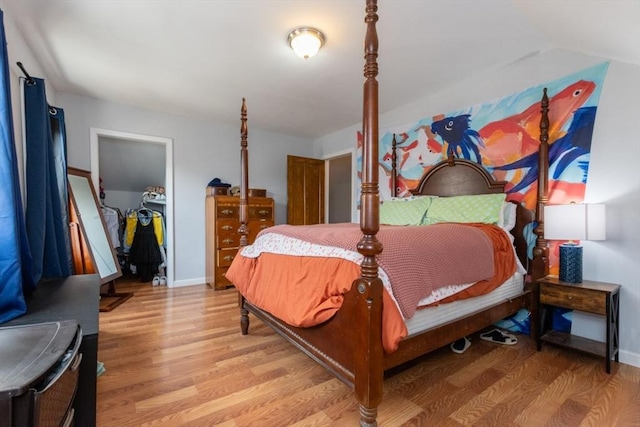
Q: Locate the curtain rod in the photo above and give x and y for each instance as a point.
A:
(29, 78)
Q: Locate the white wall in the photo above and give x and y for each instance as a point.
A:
(122, 200)
(18, 51)
(614, 175)
(202, 151)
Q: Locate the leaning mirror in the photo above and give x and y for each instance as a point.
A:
(92, 225)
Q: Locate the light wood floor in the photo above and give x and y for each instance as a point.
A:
(175, 357)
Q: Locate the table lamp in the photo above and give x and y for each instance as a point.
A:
(576, 221)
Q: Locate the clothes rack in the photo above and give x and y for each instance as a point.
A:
(144, 241)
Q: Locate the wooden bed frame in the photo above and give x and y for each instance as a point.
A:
(359, 360)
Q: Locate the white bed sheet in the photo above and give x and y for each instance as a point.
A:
(430, 317)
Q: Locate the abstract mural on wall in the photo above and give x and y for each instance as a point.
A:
(503, 136)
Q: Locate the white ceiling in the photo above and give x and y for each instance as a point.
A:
(199, 58)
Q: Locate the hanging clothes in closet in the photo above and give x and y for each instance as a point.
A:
(144, 241)
(114, 220)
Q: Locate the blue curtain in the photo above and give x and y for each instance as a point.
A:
(46, 183)
(59, 135)
(15, 257)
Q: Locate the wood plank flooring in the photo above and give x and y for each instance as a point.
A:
(175, 357)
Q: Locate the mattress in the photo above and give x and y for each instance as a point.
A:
(429, 317)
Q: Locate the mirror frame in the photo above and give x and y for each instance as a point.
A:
(104, 277)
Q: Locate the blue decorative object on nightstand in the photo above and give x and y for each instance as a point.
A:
(570, 263)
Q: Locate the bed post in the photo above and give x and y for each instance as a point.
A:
(244, 206)
(368, 305)
(394, 165)
(540, 264)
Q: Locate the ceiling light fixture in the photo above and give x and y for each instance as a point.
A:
(305, 42)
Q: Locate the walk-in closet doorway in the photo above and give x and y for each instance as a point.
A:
(130, 155)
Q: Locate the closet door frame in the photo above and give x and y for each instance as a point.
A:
(96, 134)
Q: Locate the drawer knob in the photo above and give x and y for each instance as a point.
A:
(227, 227)
(263, 212)
(227, 211)
(227, 241)
(569, 297)
(228, 258)
(262, 227)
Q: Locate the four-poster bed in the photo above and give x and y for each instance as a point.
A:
(350, 343)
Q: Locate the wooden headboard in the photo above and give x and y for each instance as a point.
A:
(458, 177)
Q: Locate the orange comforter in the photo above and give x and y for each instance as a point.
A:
(279, 284)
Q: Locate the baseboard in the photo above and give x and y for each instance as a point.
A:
(629, 358)
(188, 282)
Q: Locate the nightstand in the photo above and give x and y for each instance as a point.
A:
(591, 297)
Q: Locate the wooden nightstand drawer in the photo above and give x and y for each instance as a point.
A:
(593, 297)
(588, 300)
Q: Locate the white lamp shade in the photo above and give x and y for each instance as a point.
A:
(306, 42)
(575, 222)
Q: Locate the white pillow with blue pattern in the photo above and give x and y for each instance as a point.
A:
(483, 208)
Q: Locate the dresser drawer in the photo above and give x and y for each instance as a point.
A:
(591, 301)
(227, 211)
(227, 227)
(221, 278)
(225, 256)
(227, 234)
(228, 240)
(260, 212)
(53, 404)
(255, 227)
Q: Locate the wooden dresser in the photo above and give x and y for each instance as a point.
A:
(222, 223)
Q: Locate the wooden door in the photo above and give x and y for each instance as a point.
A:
(305, 191)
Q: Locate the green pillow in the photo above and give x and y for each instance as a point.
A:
(409, 211)
(484, 208)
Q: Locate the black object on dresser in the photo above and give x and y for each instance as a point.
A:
(72, 298)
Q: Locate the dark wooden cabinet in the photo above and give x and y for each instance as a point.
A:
(588, 296)
(222, 238)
